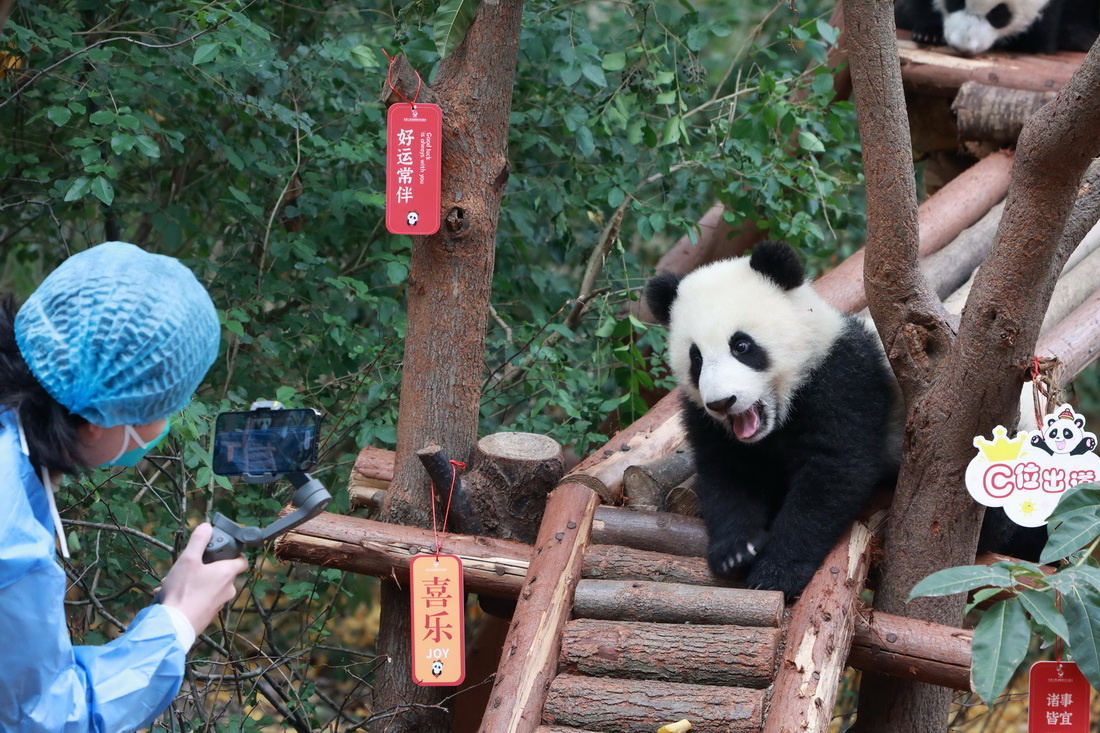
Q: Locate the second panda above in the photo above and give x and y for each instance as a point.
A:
(1028, 26)
(787, 407)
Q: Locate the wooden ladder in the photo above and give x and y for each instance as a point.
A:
(610, 639)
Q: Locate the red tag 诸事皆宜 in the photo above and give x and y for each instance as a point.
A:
(413, 136)
(438, 620)
(1058, 699)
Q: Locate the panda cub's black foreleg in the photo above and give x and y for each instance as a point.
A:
(825, 493)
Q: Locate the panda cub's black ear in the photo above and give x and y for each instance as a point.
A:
(660, 291)
(778, 262)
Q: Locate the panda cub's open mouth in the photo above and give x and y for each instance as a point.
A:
(747, 424)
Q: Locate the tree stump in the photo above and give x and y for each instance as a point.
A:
(646, 487)
(509, 478)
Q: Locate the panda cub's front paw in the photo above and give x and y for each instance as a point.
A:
(727, 555)
(788, 576)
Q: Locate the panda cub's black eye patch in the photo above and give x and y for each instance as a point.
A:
(999, 16)
(748, 352)
(696, 357)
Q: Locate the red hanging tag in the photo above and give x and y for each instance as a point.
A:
(1058, 699)
(413, 136)
(438, 620)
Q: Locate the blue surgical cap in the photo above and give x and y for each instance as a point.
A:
(118, 335)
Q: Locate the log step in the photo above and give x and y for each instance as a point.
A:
(734, 656)
(639, 600)
(641, 706)
(616, 562)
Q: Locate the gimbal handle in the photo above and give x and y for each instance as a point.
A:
(229, 538)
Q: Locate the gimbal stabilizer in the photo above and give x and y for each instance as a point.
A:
(228, 539)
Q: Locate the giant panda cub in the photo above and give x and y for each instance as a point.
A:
(787, 407)
(1027, 26)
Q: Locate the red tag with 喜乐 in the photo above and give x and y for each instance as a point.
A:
(413, 136)
(1058, 699)
(438, 620)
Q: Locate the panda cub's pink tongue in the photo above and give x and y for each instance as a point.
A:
(745, 424)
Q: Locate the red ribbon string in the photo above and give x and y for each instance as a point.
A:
(440, 531)
(1039, 391)
(418, 82)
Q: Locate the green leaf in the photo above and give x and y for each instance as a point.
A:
(1076, 531)
(396, 272)
(595, 75)
(614, 61)
(364, 56)
(586, 146)
(78, 188)
(822, 83)
(122, 143)
(828, 33)
(956, 580)
(668, 97)
(103, 190)
(1000, 643)
(1076, 576)
(671, 132)
(59, 115)
(450, 23)
(1081, 608)
(1083, 496)
(809, 141)
(148, 146)
(1041, 608)
(207, 52)
(102, 117)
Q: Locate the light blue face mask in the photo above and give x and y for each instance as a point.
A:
(131, 457)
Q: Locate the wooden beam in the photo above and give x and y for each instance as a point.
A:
(942, 217)
(675, 603)
(495, 567)
(675, 534)
(942, 72)
(534, 639)
(614, 562)
(652, 436)
(913, 649)
(731, 656)
(819, 635)
(1075, 340)
(641, 706)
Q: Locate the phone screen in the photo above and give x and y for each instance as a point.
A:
(260, 442)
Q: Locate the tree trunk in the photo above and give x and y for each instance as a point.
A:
(450, 278)
(954, 389)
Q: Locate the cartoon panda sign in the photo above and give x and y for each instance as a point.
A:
(1027, 475)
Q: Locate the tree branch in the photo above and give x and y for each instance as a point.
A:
(909, 317)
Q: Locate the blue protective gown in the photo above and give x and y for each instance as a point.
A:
(47, 684)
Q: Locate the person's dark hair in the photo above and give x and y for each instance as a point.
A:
(50, 428)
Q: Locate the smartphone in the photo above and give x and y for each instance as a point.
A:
(266, 442)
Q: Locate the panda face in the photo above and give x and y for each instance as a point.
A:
(1062, 435)
(413, 218)
(743, 334)
(974, 26)
(437, 668)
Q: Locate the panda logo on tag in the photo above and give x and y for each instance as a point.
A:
(1028, 474)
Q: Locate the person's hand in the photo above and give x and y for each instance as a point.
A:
(196, 589)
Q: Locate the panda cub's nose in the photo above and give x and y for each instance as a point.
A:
(722, 406)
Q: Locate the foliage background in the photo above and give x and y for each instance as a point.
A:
(247, 139)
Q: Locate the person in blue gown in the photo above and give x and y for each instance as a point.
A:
(92, 366)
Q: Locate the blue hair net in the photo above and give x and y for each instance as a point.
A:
(118, 335)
